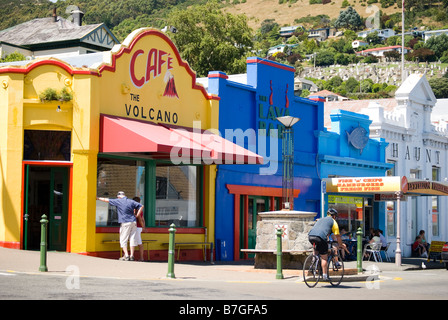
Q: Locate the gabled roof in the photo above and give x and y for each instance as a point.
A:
(45, 30)
(416, 88)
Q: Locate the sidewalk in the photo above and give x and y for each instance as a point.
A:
(62, 263)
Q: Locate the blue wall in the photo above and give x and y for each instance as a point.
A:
(253, 107)
(338, 156)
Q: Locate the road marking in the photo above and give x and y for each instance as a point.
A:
(7, 274)
(398, 278)
(236, 281)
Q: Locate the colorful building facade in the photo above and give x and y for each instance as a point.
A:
(249, 107)
(132, 119)
(346, 151)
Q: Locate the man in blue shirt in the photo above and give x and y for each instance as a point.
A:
(127, 220)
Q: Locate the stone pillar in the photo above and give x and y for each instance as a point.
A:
(296, 226)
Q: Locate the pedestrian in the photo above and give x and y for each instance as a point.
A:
(140, 226)
(127, 220)
(418, 249)
(423, 239)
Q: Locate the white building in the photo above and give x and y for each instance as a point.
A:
(359, 43)
(382, 33)
(379, 52)
(419, 150)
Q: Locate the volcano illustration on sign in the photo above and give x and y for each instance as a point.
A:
(170, 89)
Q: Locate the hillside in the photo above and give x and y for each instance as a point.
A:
(133, 13)
(284, 14)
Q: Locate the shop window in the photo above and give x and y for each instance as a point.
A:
(350, 212)
(390, 217)
(177, 196)
(391, 171)
(435, 216)
(115, 175)
(46, 145)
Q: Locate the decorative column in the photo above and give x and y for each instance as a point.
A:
(288, 161)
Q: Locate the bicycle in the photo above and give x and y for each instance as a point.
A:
(312, 268)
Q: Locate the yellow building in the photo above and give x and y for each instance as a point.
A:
(134, 121)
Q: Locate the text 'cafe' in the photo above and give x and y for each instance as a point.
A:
(131, 111)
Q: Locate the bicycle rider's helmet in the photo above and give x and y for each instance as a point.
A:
(332, 212)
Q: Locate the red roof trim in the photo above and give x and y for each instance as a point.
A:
(26, 69)
(271, 64)
(382, 48)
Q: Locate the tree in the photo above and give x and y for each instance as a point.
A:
(348, 19)
(439, 86)
(438, 44)
(351, 85)
(15, 56)
(422, 54)
(211, 40)
(324, 57)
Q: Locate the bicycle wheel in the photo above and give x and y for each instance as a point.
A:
(335, 270)
(311, 270)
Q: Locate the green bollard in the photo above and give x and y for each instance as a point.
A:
(359, 250)
(43, 244)
(171, 252)
(279, 254)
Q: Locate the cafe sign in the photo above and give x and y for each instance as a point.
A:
(147, 80)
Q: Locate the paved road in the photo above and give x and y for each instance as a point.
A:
(77, 277)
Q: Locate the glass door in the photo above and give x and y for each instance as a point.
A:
(46, 192)
(256, 204)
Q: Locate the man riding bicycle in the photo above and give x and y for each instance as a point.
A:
(319, 234)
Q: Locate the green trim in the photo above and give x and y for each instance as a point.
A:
(150, 195)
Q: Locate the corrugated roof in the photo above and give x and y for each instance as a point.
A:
(45, 30)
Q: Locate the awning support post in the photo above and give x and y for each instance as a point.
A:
(399, 194)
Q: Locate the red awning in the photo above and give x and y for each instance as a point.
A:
(177, 144)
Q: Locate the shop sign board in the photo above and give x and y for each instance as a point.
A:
(385, 188)
(152, 83)
(369, 185)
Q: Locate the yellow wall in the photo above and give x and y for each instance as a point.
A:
(11, 141)
(109, 90)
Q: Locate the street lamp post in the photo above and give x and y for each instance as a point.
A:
(288, 161)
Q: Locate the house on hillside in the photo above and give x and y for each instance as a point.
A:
(285, 48)
(359, 43)
(330, 96)
(55, 35)
(301, 84)
(379, 52)
(321, 34)
(382, 33)
(289, 31)
(434, 33)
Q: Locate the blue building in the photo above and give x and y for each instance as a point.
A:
(347, 151)
(248, 110)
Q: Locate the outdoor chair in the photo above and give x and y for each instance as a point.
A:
(373, 249)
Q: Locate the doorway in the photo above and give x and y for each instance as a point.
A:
(46, 191)
(255, 204)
